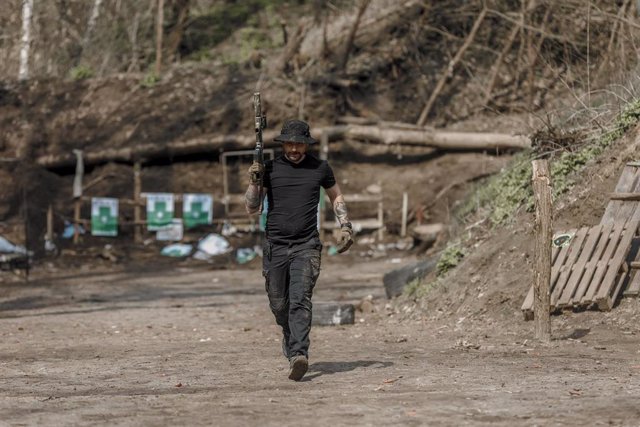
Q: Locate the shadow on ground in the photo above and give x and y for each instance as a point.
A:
(327, 368)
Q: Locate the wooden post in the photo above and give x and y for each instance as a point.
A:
(77, 194)
(50, 224)
(77, 204)
(405, 206)
(137, 207)
(543, 234)
(380, 220)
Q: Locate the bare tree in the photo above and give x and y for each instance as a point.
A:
(95, 13)
(27, 13)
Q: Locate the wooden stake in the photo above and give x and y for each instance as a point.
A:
(541, 181)
(50, 223)
(137, 207)
(77, 204)
(405, 206)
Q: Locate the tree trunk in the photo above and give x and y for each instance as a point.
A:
(451, 66)
(159, 34)
(352, 35)
(27, 13)
(373, 134)
(95, 14)
(180, 17)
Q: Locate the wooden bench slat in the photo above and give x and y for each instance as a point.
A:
(593, 236)
(602, 265)
(605, 297)
(574, 250)
(590, 267)
(624, 185)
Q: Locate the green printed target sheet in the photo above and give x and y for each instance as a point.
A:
(197, 209)
(159, 210)
(104, 216)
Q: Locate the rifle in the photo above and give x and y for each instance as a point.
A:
(260, 122)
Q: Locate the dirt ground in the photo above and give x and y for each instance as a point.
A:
(189, 345)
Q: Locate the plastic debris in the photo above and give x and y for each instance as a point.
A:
(69, 230)
(7, 247)
(212, 245)
(244, 255)
(228, 229)
(177, 250)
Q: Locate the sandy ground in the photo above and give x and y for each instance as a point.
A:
(192, 346)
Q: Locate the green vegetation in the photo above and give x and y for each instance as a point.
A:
(149, 80)
(502, 195)
(81, 72)
(449, 259)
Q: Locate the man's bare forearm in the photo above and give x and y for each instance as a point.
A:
(340, 210)
(252, 198)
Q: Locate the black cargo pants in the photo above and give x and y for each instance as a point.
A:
(291, 271)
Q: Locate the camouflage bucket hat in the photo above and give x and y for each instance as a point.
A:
(295, 131)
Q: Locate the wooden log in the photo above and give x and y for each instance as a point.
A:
(445, 140)
(438, 139)
(542, 193)
(331, 314)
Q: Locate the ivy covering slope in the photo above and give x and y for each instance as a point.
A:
(502, 195)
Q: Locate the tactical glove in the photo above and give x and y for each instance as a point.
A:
(255, 173)
(346, 237)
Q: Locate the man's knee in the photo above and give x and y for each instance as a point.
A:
(278, 305)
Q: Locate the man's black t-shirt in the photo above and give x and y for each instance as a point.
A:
(293, 193)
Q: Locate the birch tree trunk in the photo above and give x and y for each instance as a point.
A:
(95, 14)
(27, 13)
(159, 34)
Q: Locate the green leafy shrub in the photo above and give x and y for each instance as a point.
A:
(149, 80)
(81, 72)
(503, 194)
(449, 259)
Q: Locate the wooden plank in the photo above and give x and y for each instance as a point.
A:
(560, 258)
(623, 186)
(605, 297)
(574, 250)
(627, 209)
(593, 235)
(633, 290)
(558, 255)
(601, 266)
(625, 197)
(527, 305)
(590, 267)
(624, 278)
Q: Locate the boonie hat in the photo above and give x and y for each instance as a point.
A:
(295, 131)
